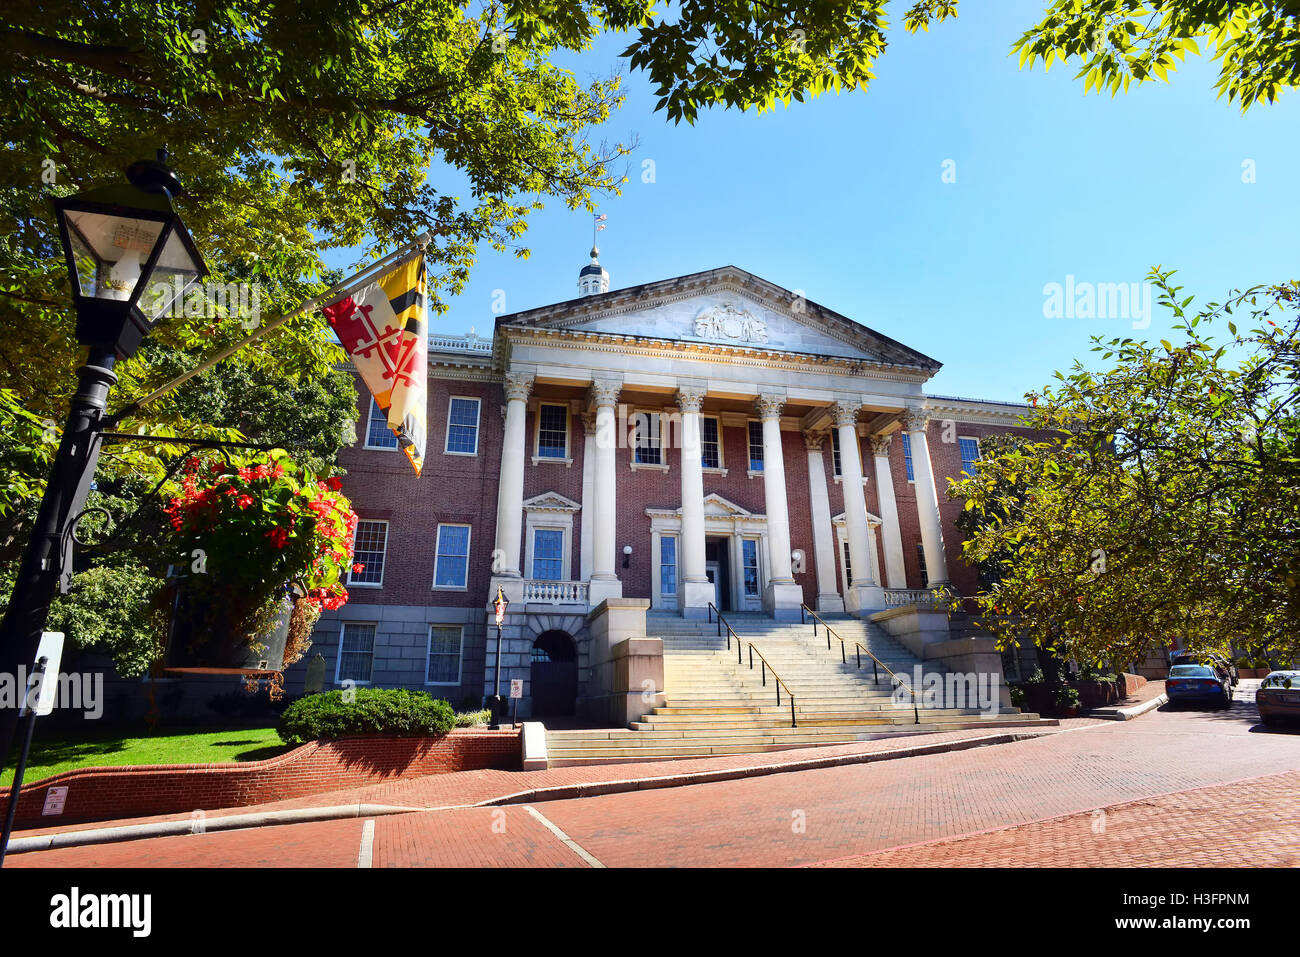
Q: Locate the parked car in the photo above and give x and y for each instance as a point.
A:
(1198, 683)
(1278, 696)
(1214, 660)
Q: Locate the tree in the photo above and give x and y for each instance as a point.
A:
(1163, 502)
(1117, 41)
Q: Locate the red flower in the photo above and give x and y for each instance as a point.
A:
(244, 500)
(358, 569)
(279, 537)
(334, 483)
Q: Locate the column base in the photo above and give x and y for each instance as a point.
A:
(694, 598)
(782, 600)
(830, 603)
(598, 589)
(863, 600)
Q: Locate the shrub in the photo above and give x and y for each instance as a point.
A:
(390, 711)
(473, 719)
(1017, 696)
(1067, 698)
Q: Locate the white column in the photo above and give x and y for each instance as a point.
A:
(781, 597)
(865, 594)
(694, 592)
(510, 488)
(588, 481)
(604, 580)
(890, 532)
(927, 499)
(828, 589)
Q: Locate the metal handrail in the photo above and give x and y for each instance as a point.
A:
(876, 663)
(764, 666)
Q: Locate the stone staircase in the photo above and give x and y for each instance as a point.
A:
(718, 706)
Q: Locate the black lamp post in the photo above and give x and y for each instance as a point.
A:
(130, 259)
(499, 605)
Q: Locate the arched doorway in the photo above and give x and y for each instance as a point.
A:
(554, 675)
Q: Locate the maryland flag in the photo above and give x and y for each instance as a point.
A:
(384, 327)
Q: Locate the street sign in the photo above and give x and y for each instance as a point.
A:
(51, 649)
(55, 798)
(516, 687)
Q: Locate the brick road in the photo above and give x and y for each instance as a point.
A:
(880, 814)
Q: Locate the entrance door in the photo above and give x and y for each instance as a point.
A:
(554, 675)
(712, 571)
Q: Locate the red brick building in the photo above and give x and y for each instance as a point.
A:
(685, 442)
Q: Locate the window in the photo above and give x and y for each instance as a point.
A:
(378, 434)
(756, 446)
(835, 452)
(749, 558)
(443, 666)
(548, 554)
(462, 426)
(553, 432)
(848, 565)
(970, 453)
(710, 443)
(356, 652)
(648, 444)
(451, 566)
(920, 557)
(668, 565)
(907, 457)
(368, 552)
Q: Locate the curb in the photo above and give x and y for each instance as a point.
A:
(1128, 714)
(564, 792)
(231, 822)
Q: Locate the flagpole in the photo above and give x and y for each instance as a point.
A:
(359, 279)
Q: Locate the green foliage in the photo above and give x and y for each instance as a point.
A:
(115, 608)
(1160, 501)
(1257, 43)
(387, 711)
(473, 719)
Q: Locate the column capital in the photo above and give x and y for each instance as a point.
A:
(769, 406)
(605, 393)
(814, 440)
(518, 385)
(845, 413)
(690, 398)
(914, 419)
(880, 445)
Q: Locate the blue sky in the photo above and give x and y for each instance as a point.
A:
(843, 197)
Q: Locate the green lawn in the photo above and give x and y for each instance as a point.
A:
(167, 746)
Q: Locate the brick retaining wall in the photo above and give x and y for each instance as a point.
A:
(101, 794)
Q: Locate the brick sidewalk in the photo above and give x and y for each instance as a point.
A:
(1253, 823)
(461, 788)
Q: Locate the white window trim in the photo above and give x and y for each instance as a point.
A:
(662, 597)
(478, 418)
(662, 465)
(968, 438)
(338, 663)
(380, 583)
(748, 471)
(552, 524)
(374, 407)
(460, 656)
(437, 550)
(538, 458)
(721, 467)
(758, 566)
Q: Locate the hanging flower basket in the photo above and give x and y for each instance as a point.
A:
(266, 547)
(210, 636)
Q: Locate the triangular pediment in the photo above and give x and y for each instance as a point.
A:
(715, 507)
(841, 520)
(723, 307)
(551, 502)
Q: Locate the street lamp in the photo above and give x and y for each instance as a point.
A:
(130, 259)
(499, 605)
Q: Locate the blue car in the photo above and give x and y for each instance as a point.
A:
(1198, 683)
